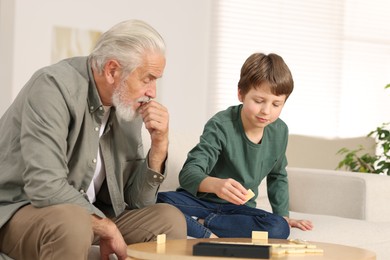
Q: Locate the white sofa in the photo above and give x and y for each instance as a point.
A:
(346, 208)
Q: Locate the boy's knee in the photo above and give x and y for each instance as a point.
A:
(166, 197)
(280, 229)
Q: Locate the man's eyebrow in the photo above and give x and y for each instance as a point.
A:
(152, 76)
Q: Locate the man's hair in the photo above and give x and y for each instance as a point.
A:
(126, 42)
(259, 68)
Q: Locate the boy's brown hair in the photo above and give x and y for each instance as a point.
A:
(259, 68)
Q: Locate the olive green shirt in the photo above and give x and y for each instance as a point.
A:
(224, 151)
(49, 138)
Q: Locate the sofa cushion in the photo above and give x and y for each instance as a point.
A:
(369, 235)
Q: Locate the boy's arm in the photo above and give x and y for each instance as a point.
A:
(277, 188)
(202, 158)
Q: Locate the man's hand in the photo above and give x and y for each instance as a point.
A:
(156, 120)
(111, 240)
(302, 224)
(227, 189)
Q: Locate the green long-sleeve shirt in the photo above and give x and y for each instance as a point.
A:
(224, 151)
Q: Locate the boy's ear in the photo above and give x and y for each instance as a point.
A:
(240, 96)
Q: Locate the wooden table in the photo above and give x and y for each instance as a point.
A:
(182, 250)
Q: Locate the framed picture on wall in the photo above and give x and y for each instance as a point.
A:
(69, 42)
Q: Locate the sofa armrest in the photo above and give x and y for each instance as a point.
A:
(339, 193)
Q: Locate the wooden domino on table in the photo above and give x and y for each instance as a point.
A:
(292, 247)
(250, 195)
(161, 239)
(296, 246)
(259, 235)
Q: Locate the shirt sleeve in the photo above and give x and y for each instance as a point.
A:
(202, 158)
(277, 187)
(277, 182)
(142, 192)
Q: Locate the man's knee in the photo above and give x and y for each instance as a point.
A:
(173, 219)
(48, 232)
(70, 223)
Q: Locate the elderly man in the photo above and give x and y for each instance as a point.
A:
(73, 170)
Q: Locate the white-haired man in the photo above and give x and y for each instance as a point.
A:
(73, 170)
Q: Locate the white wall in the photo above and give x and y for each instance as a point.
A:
(25, 45)
(6, 53)
(25, 41)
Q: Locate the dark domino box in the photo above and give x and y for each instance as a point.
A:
(231, 250)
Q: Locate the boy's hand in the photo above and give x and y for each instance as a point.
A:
(227, 189)
(302, 224)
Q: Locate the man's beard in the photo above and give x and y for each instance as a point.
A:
(125, 111)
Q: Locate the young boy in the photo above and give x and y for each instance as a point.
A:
(240, 147)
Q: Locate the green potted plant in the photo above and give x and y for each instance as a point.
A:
(357, 160)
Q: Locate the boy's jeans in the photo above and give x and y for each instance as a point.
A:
(224, 220)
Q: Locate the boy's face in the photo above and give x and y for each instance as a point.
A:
(260, 107)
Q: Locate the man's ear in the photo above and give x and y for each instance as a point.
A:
(112, 71)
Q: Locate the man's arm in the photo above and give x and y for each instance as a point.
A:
(156, 120)
(142, 190)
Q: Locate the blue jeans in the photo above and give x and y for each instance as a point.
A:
(224, 219)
